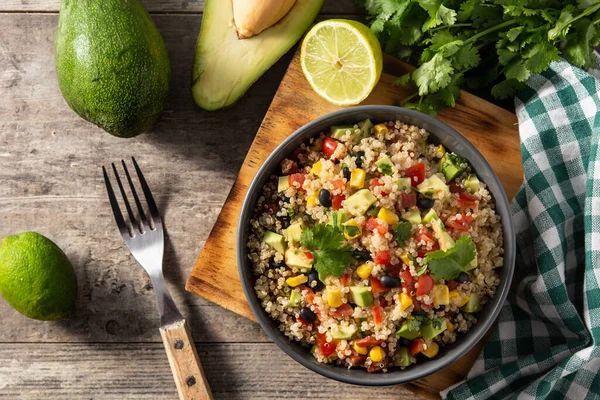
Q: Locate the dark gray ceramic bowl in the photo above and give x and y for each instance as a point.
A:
(440, 133)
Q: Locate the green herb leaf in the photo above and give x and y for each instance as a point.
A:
(327, 246)
(437, 322)
(449, 264)
(413, 325)
(433, 75)
(421, 270)
(385, 169)
(562, 25)
(402, 232)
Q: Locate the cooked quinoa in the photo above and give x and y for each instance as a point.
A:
(373, 247)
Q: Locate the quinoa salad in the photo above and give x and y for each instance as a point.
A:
(373, 247)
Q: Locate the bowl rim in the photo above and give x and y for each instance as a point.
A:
(340, 373)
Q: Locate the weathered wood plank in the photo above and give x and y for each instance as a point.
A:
(164, 6)
(134, 371)
(51, 182)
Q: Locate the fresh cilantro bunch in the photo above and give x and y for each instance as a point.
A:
(326, 244)
(481, 43)
(449, 264)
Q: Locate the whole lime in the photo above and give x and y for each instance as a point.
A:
(36, 277)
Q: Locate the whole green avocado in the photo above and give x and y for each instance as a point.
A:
(112, 64)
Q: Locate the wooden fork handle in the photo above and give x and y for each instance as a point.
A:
(185, 364)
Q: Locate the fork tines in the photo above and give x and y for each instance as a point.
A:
(136, 223)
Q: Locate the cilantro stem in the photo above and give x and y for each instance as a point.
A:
(588, 11)
(407, 99)
(490, 30)
(439, 28)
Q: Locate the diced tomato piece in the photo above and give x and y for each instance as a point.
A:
(383, 257)
(369, 341)
(308, 255)
(329, 146)
(454, 188)
(299, 178)
(416, 173)
(375, 367)
(377, 314)
(326, 348)
(416, 305)
(345, 310)
(376, 286)
(407, 200)
(373, 224)
(426, 237)
(452, 284)
(338, 184)
(459, 222)
(425, 284)
(309, 295)
(273, 208)
(344, 279)
(296, 153)
(468, 200)
(289, 167)
(405, 275)
(336, 201)
(377, 182)
(394, 269)
(302, 321)
(383, 302)
(358, 360)
(417, 346)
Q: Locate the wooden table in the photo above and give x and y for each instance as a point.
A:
(50, 182)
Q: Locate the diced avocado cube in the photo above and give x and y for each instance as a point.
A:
(431, 185)
(473, 305)
(337, 131)
(297, 258)
(365, 126)
(472, 183)
(452, 166)
(406, 332)
(295, 298)
(361, 295)
(384, 164)
(429, 331)
(293, 233)
(430, 216)
(445, 241)
(283, 183)
(412, 216)
(343, 332)
(337, 218)
(275, 240)
(402, 357)
(404, 183)
(359, 202)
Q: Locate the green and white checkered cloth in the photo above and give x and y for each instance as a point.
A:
(546, 342)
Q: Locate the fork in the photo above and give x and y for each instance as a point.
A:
(145, 239)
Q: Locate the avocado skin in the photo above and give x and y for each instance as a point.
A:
(112, 64)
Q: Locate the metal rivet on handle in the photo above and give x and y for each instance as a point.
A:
(191, 381)
(179, 344)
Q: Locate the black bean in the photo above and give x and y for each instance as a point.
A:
(404, 342)
(346, 172)
(325, 198)
(308, 315)
(361, 255)
(313, 276)
(274, 264)
(359, 158)
(284, 198)
(285, 222)
(390, 281)
(463, 277)
(419, 313)
(424, 203)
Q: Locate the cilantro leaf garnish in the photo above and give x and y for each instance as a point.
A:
(437, 322)
(402, 232)
(413, 324)
(385, 169)
(327, 246)
(449, 264)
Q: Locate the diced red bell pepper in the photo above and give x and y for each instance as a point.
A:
(336, 201)
(369, 341)
(417, 346)
(377, 314)
(376, 286)
(383, 257)
(416, 173)
(344, 279)
(345, 310)
(406, 276)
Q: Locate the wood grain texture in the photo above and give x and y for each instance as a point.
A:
(188, 373)
(51, 183)
(347, 7)
(132, 371)
(491, 129)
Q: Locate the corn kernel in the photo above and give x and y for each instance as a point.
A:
(440, 151)
(463, 300)
(441, 296)
(360, 350)
(334, 297)
(388, 216)
(296, 280)
(311, 201)
(351, 229)
(377, 354)
(405, 301)
(454, 296)
(405, 259)
(432, 350)
(357, 178)
(449, 326)
(364, 271)
(380, 130)
(316, 168)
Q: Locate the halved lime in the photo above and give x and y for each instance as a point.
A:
(341, 60)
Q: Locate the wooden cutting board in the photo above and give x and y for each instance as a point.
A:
(490, 128)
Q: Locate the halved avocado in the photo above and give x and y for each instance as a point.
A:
(226, 66)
